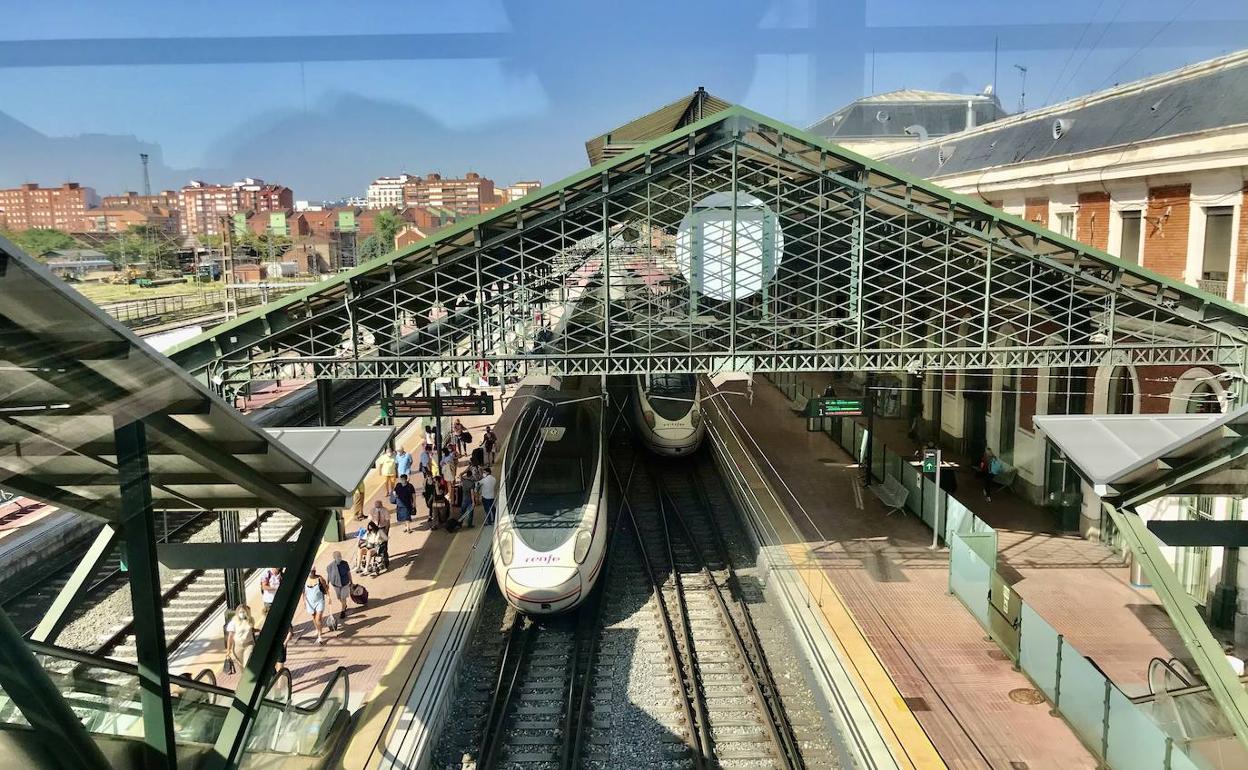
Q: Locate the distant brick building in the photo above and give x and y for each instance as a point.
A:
(168, 199)
(203, 205)
(467, 196)
(119, 220)
(61, 208)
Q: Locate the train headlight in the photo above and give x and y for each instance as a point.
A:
(580, 548)
(648, 416)
(506, 548)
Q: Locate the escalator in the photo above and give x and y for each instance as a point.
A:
(105, 695)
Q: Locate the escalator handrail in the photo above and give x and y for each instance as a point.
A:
(1178, 691)
(132, 669)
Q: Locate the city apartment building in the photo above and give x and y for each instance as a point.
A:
(203, 205)
(467, 196)
(118, 220)
(168, 199)
(386, 192)
(61, 208)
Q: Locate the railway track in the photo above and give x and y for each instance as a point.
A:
(739, 716)
(27, 608)
(193, 596)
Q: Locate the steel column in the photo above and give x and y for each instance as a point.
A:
(60, 734)
(255, 677)
(144, 570)
(58, 614)
(231, 535)
(325, 402)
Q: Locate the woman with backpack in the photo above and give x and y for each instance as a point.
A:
(315, 589)
(240, 638)
(990, 466)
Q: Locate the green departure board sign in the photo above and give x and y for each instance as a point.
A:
(930, 460)
(834, 407)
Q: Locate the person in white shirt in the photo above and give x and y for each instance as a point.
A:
(488, 487)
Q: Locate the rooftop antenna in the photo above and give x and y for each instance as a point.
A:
(147, 180)
(1022, 96)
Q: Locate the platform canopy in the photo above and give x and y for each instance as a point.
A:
(70, 376)
(734, 243)
(1116, 453)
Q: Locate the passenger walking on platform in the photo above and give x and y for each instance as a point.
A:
(423, 460)
(440, 510)
(990, 466)
(270, 581)
(240, 636)
(488, 443)
(315, 589)
(387, 469)
(431, 437)
(338, 573)
(402, 462)
(428, 493)
(404, 502)
(467, 497)
(457, 435)
(281, 651)
(488, 487)
(381, 518)
(450, 463)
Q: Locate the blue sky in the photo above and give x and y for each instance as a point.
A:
(511, 88)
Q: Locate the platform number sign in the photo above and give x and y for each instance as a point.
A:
(834, 407)
(437, 406)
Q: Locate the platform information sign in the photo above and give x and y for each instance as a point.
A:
(834, 407)
(438, 406)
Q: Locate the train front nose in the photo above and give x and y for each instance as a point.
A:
(543, 590)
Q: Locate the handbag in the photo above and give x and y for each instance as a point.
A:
(227, 667)
(393, 498)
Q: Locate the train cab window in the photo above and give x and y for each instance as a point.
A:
(671, 384)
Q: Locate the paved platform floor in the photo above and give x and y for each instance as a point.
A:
(955, 681)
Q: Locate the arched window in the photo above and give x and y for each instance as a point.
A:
(1121, 392)
(1204, 400)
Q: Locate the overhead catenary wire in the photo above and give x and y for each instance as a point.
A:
(1147, 43)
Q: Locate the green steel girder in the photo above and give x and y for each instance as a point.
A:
(851, 227)
(1228, 691)
(67, 598)
(139, 532)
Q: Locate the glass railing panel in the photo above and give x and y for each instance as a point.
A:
(1082, 699)
(910, 480)
(930, 497)
(1134, 739)
(969, 577)
(1038, 650)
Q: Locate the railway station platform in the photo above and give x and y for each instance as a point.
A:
(383, 645)
(924, 657)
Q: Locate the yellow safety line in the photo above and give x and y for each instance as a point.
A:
(906, 738)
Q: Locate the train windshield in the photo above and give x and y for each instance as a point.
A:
(551, 473)
(672, 395)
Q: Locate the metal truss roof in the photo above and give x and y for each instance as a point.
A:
(873, 269)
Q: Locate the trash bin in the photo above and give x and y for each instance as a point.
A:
(1138, 578)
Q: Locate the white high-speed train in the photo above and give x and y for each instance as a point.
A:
(551, 526)
(668, 413)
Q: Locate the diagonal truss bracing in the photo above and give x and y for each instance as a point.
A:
(736, 243)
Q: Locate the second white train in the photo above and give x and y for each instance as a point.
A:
(668, 412)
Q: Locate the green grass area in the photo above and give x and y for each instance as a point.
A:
(104, 293)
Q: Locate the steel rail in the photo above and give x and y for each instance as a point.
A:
(514, 654)
(746, 640)
(701, 760)
(118, 636)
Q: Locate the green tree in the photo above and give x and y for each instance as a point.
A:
(39, 242)
(381, 242)
(142, 243)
